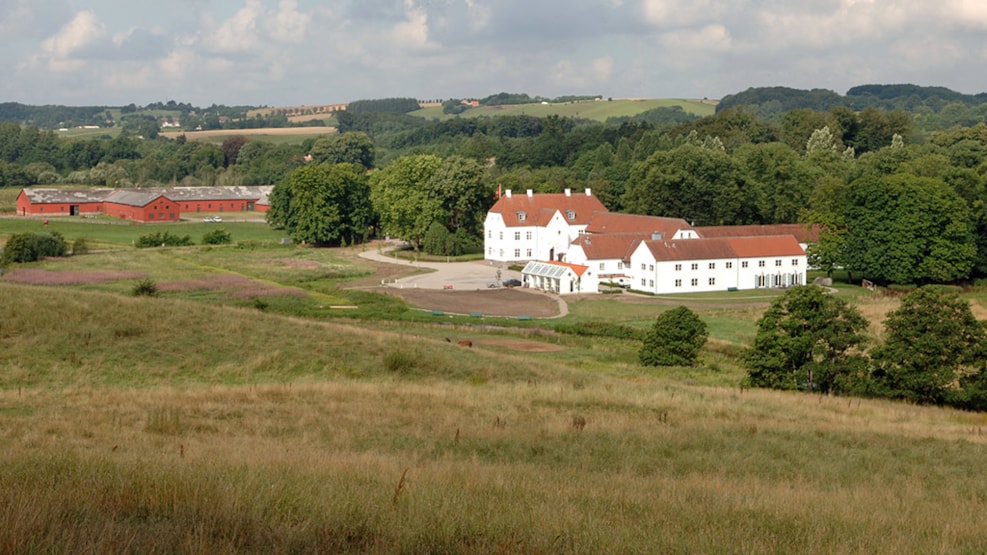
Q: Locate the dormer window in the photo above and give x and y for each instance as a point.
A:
(570, 214)
(522, 216)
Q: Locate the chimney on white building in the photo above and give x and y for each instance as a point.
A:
(568, 192)
(589, 193)
(531, 193)
(508, 192)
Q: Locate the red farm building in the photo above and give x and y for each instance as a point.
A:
(59, 202)
(141, 206)
(150, 204)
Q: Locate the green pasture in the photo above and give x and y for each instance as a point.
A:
(108, 232)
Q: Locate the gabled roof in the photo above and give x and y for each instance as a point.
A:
(65, 196)
(725, 247)
(804, 233)
(242, 192)
(133, 198)
(763, 247)
(612, 222)
(552, 269)
(610, 246)
(60, 196)
(538, 209)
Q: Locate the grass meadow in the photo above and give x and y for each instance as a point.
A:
(210, 420)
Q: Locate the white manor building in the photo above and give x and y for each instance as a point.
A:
(520, 228)
(572, 244)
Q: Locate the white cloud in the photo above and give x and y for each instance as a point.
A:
(413, 32)
(84, 29)
(288, 24)
(239, 33)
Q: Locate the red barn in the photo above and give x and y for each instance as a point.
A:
(148, 204)
(61, 202)
(141, 206)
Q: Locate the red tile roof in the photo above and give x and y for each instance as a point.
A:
(612, 222)
(804, 233)
(538, 209)
(577, 268)
(617, 246)
(725, 247)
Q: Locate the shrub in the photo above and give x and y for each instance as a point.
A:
(145, 288)
(80, 246)
(601, 329)
(217, 237)
(29, 247)
(166, 239)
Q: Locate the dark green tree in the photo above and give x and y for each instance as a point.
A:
(323, 204)
(698, 184)
(354, 147)
(807, 340)
(932, 343)
(675, 339)
(906, 229)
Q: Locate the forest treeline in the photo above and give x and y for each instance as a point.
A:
(900, 194)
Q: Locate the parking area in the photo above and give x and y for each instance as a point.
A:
(468, 276)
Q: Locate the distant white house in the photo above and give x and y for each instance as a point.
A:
(527, 227)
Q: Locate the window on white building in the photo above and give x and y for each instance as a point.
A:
(501, 236)
(712, 265)
(778, 262)
(570, 214)
(678, 283)
(743, 263)
(642, 282)
(517, 253)
(521, 216)
(501, 253)
(712, 281)
(529, 253)
(695, 266)
(489, 234)
(603, 266)
(678, 267)
(760, 263)
(695, 282)
(795, 262)
(651, 283)
(651, 267)
(643, 266)
(517, 235)
(729, 265)
(527, 235)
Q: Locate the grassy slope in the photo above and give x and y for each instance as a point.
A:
(594, 110)
(159, 425)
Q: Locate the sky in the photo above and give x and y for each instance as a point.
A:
(309, 52)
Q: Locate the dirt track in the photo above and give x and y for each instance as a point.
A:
(493, 302)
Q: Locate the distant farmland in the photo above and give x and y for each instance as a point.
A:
(272, 134)
(599, 110)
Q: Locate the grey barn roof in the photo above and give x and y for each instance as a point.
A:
(139, 197)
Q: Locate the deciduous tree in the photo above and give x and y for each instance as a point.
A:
(675, 339)
(807, 340)
(932, 343)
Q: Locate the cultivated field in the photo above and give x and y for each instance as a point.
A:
(238, 411)
(590, 109)
(270, 134)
